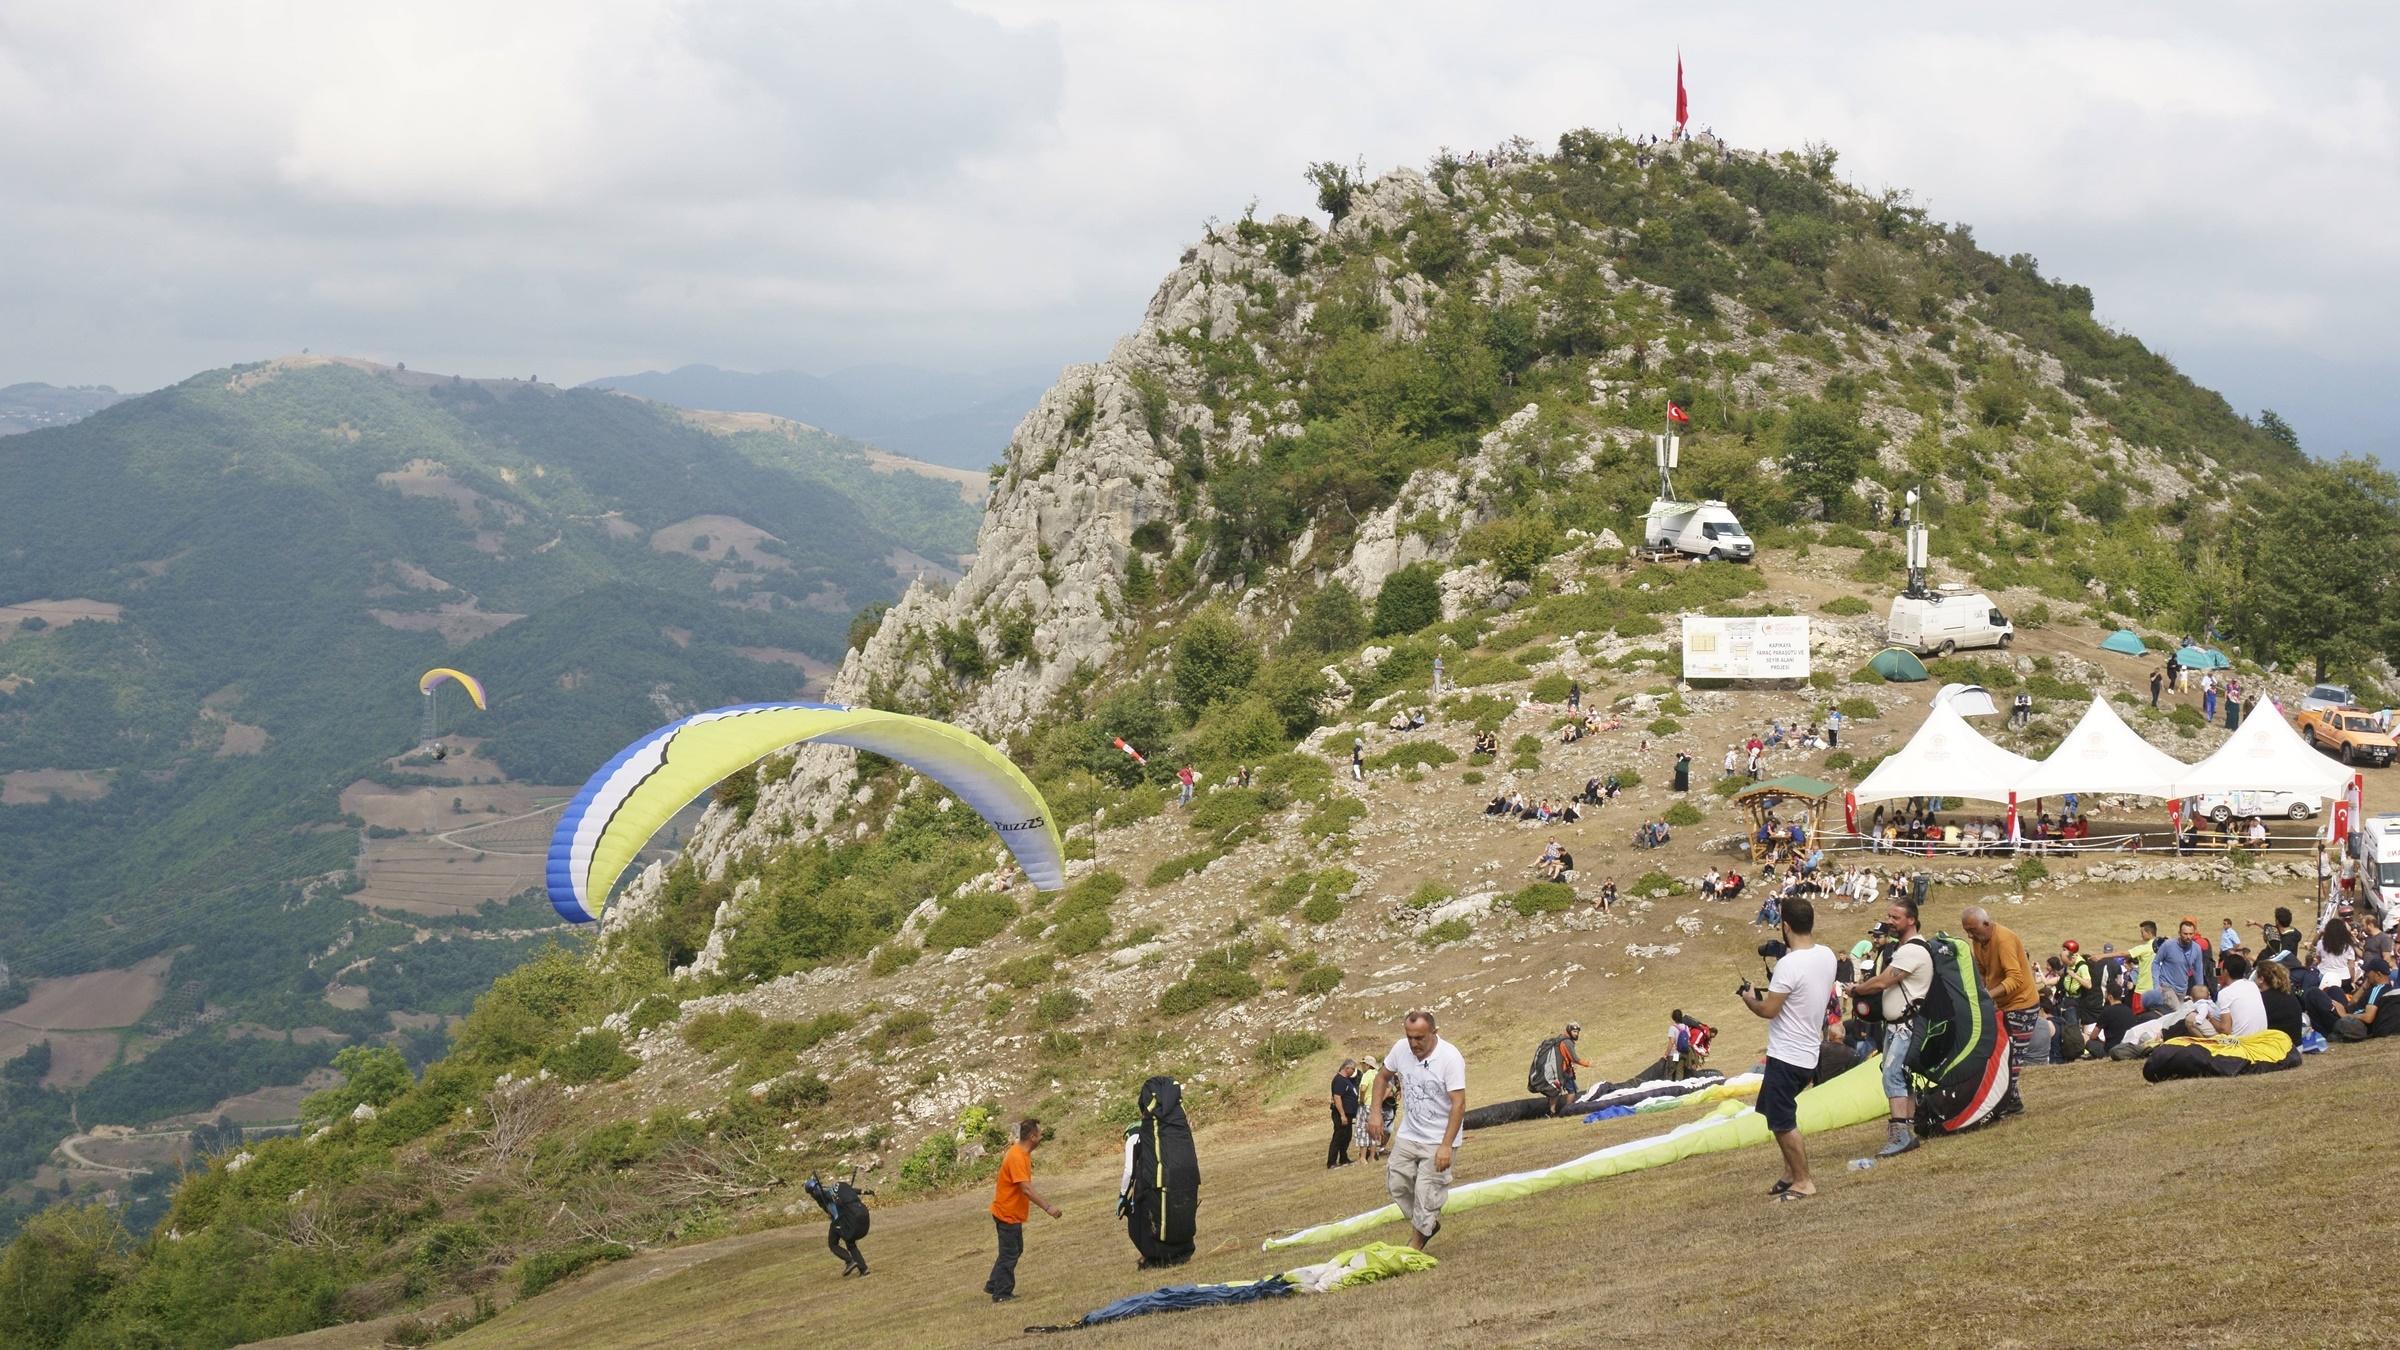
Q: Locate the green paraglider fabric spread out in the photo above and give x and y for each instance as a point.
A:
(1854, 1098)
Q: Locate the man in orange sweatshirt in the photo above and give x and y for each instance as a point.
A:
(2007, 973)
(1013, 1197)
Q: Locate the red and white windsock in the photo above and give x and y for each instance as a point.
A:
(1136, 755)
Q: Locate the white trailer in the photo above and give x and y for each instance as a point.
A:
(1697, 529)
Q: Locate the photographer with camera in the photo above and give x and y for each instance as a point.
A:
(1794, 1005)
(1895, 996)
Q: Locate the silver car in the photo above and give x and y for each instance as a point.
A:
(2325, 696)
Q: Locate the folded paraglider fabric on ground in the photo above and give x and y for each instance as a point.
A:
(2220, 1056)
(1362, 1265)
(1608, 1113)
(1651, 1081)
(1851, 1099)
(1652, 1096)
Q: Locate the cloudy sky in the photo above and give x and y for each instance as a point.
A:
(592, 187)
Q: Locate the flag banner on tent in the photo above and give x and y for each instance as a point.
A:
(1771, 648)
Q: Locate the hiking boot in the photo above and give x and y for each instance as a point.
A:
(1904, 1138)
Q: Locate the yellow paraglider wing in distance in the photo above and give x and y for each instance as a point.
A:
(632, 796)
(473, 686)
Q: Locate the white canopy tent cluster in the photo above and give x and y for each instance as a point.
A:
(1949, 758)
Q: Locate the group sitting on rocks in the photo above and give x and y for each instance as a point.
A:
(1652, 834)
(1516, 806)
(1599, 791)
(1591, 723)
(1407, 719)
(1487, 742)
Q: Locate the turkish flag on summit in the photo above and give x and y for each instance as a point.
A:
(1683, 103)
(1677, 414)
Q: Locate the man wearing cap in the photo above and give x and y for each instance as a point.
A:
(2181, 968)
(2078, 987)
(2001, 963)
(1901, 987)
(1568, 1064)
(2366, 1006)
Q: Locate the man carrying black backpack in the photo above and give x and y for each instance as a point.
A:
(846, 1209)
(1895, 996)
(1552, 1073)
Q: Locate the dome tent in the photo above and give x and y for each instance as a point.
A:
(1971, 700)
(2125, 642)
(2201, 658)
(1898, 665)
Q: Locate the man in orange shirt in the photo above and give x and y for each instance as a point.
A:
(2007, 972)
(1012, 1197)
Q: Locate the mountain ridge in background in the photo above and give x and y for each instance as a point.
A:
(963, 421)
(32, 405)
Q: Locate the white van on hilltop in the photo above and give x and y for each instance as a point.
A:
(1697, 529)
(1946, 620)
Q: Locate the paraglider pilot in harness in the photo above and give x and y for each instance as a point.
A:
(1159, 1195)
(1553, 1071)
(846, 1207)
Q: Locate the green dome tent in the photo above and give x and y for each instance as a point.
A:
(1898, 665)
(2201, 658)
(2126, 642)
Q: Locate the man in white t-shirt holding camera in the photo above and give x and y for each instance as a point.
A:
(1794, 1004)
(1433, 1107)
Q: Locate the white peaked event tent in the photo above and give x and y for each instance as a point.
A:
(1946, 758)
(1971, 700)
(2265, 755)
(2102, 754)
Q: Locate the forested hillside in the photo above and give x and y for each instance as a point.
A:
(214, 604)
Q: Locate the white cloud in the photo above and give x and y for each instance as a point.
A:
(576, 187)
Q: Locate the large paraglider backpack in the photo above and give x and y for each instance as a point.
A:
(1165, 1163)
(844, 1205)
(1544, 1076)
(1959, 1061)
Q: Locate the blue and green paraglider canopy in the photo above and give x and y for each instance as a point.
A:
(633, 795)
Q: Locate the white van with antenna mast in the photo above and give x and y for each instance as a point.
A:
(1941, 619)
(1705, 529)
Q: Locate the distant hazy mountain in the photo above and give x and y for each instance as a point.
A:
(963, 421)
(33, 405)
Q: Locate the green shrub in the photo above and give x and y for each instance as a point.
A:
(970, 920)
(1411, 599)
(1427, 895)
(1059, 1006)
(593, 1057)
(1551, 688)
(1284, 896)
(1846, 604)
(1840, 760)
(1860, 770)
(2030, 870)
(1281, 1049)
(1479, 759)
(1485, 668)
(1859, 709)
(1820, 679)
(909, 1027)
(1319, 980)
(1321, 908)
(1214, 659)
(892, 956)
(1334, 817)
(1484, 710)
(2042, 684)
(1726, 787)
(1447, 931)
(1023, 973)
(1543, 897)
(1654, 881)
(1433, 754)
(1866, 675)
(541, 1270)
(1665, 726)
(2036, 616)
(1222, 975)
(1846, 536)
(1305, 777)
(1078, 934)
(1627, 779)
(2186, 717)
(1180, 866)
(1684, 813)
(1140, 804)
(1226, 810)
(1055, 1045)
(1471, 777)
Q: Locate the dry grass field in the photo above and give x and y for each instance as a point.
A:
(102, 998)
(31, 787)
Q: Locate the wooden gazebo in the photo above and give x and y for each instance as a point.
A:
(1777, 799)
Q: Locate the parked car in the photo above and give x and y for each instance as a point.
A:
(2224, 807)
(2352, 733)
(2325, 696)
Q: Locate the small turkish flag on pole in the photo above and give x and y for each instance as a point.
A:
(1683, 102)
(1675, 413)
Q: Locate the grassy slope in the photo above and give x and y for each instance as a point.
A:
(1656, 1257)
